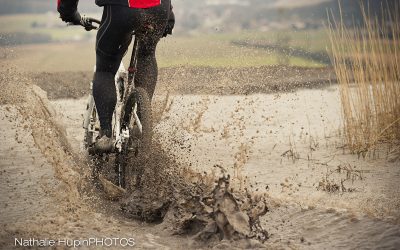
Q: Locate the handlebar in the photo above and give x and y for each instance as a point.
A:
(87, 23)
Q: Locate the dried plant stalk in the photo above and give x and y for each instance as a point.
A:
(366, 62)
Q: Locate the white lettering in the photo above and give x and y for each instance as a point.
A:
(73, 243)
(18, 241)
(92, 241)
(77, 243)
(131, 242)
(99, 241)
(109, 240)
(52, 243)
(61, 242)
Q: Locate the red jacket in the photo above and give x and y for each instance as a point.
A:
(143, 3)
(68, 4)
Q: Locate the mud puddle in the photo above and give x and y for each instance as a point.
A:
(43, 193)
(289, 143)
(201, 208)
(283, 145)
(207, 207)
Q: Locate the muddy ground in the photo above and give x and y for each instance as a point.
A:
(274, 130)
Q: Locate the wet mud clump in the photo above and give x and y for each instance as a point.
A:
(204, 206)
(224, 215)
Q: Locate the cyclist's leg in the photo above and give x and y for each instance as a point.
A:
(112, 41)
(147, 69)
(156, 18)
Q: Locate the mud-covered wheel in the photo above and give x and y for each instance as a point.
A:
(89, 134)
(138, 118)
(89, 140)
(120, 169)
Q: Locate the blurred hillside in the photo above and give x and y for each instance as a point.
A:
(9, 7)
(207, 32)
(264, 15)
(212, 16)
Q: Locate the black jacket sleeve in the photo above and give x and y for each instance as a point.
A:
(67, 7)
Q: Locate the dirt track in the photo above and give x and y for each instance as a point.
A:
(252, 122)
(201, 81)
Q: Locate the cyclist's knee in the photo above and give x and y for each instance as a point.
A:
(147, 50)
(107, 64)
(103, 79)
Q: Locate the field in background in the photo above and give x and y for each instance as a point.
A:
(76, 46)
(173, 51)
(219, 51)
(45, 24)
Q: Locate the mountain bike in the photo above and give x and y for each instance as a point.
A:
(132, 118)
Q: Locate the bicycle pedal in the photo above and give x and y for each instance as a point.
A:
(92, 151)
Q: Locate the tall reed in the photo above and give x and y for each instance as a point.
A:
(366, 59)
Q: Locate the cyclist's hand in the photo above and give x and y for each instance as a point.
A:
(74, 18)
(170, 24)
(88, 23)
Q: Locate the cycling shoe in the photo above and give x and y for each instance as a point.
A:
(104, 145)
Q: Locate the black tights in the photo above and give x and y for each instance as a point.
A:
(113, 38)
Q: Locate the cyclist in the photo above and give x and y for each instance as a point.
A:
(151, 20)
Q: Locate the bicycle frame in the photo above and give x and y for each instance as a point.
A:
(124, 87)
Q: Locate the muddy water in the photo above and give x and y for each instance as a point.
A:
(21, 166)
(43, 194)
(291, 143)
(286, 145)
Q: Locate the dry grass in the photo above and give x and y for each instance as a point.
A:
(367, 63)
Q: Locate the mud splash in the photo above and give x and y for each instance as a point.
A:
(40, 119)
(199, 205)
(200, 131)
(204, 206)
(207, 207)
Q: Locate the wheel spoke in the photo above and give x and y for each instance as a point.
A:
(137, 120)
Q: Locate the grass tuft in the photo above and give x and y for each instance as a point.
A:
(366, 59)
